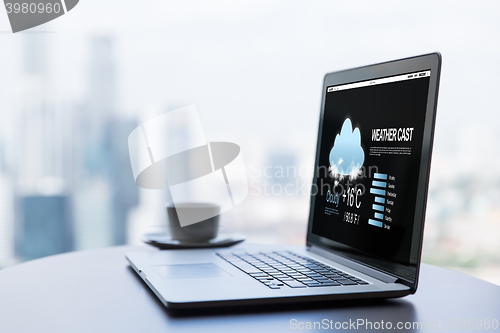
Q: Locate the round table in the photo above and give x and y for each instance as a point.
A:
(96, 291)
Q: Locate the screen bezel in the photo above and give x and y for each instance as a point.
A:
(407, 275)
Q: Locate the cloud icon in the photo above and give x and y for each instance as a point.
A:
(347, 156)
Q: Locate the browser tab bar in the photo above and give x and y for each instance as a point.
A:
(411, 76)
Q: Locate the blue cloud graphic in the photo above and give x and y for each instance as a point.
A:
(347, 156)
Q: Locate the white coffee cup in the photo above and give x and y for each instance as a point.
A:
(198, 232)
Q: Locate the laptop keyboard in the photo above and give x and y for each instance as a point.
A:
(280, 269)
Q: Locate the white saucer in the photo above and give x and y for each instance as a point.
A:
(164, 241)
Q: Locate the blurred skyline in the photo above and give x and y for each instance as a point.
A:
(254, 69)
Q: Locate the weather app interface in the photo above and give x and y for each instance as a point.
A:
(369, 164)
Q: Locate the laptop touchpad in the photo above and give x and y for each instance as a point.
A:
(190, 271)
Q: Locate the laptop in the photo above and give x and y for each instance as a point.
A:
(367, 206)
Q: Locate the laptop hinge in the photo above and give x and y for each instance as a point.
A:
(354, 265)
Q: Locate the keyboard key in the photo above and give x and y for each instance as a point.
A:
(307, 281)
(333, 276)
(247, 268)
(259, 275)
(261, 266)
(271, 271)
(313, 275)
(294, 284)
(346, 282)
(321, 271)
(322, 278)
(277, 276)
(285, 279)
(331, 284)
(267, 260)
(280, 267)
(273, 281)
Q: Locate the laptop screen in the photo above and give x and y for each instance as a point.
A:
(369, 161)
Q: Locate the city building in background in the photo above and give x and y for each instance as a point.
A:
(46, 229)
(124, 193)
(7, 255)
(43, 197)
(104, 187)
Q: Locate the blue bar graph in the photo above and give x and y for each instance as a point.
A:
(378, 188)
(377, 191)
(379, 184)
(375, 223)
